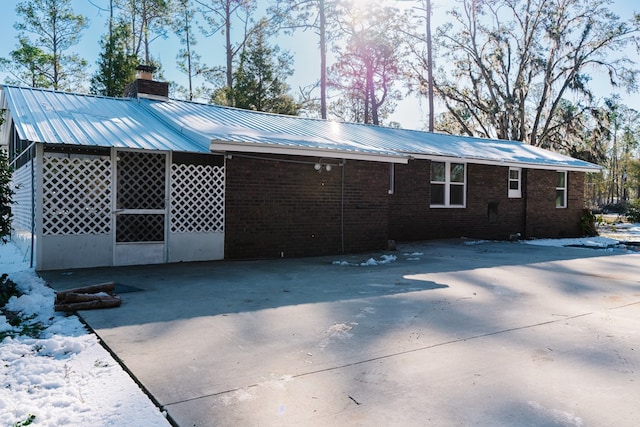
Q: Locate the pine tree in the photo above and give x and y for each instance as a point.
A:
(260, 78)
(49, 28)
(116, 67)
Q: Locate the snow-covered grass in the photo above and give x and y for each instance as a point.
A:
(587, 242)
(612, 235)
(55, 372)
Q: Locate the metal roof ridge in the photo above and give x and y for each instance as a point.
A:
(64, 92)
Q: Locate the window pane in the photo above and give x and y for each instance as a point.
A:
(437, 172)
(437, 194)
(457, 172)
(456, 198)
(513, 185)
(560, 198)
(514, 174)
(561, 179)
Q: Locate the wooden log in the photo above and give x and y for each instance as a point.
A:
(77, 297)
(89, 305)
(107, 287)
(93, 289)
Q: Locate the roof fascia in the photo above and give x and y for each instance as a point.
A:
(218, 145)
(527, 165)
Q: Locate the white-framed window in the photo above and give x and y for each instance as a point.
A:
(561, 189)
(448, 184)
(515, 183)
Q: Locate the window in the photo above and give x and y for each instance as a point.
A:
(515, 180)
(448, 184)
(561, 189)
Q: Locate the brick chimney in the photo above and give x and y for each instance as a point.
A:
(145, 87)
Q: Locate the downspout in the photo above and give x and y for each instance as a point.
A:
(342, 164)
(525, 193)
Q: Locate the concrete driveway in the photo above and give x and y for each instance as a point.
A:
(448, 334)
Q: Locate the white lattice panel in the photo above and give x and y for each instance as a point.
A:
(76, 194)
(197, 198)
(22, 199)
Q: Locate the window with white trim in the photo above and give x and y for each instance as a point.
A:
(448, 184)
(515, 183)
(561, 189)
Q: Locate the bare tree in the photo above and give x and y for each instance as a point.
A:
(511, 63)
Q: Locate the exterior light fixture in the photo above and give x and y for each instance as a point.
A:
(323, 165)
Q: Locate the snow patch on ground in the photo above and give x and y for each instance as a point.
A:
(475, 242)
(589, 242)
(384, 259)
(63, 377)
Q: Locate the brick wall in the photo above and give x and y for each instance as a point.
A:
(489, 213)
(278, 206)
(544, 220)
(282, 205)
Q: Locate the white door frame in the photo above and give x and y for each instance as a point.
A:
(140, 252)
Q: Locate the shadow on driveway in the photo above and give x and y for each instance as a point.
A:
(185, 290)
(450, 333)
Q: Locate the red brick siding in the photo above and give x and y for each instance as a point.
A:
(412, 218)
(544, 220)
(278, 207)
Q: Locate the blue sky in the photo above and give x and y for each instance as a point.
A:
(411, 113)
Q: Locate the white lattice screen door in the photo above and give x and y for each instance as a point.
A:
(141, 208)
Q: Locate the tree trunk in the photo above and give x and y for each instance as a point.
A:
(323, 61)
(227, 25)
(430, 67)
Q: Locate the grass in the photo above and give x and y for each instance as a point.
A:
(22, 325)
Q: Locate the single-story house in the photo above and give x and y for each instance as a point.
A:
(146, 179)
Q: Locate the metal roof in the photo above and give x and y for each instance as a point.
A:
(66, 118)
(233, 128)
(54, 117)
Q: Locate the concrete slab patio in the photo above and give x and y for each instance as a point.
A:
(450, 333)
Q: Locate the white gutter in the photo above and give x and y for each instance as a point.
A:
(218, 145)
(511, 163)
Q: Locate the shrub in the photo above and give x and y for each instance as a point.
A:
(588, 223)
(633, 211)
(8, 289)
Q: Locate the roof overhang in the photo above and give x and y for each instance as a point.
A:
(510, 163)
(262, 148)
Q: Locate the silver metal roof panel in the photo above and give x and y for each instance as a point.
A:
(252, 129)
(65, 118)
